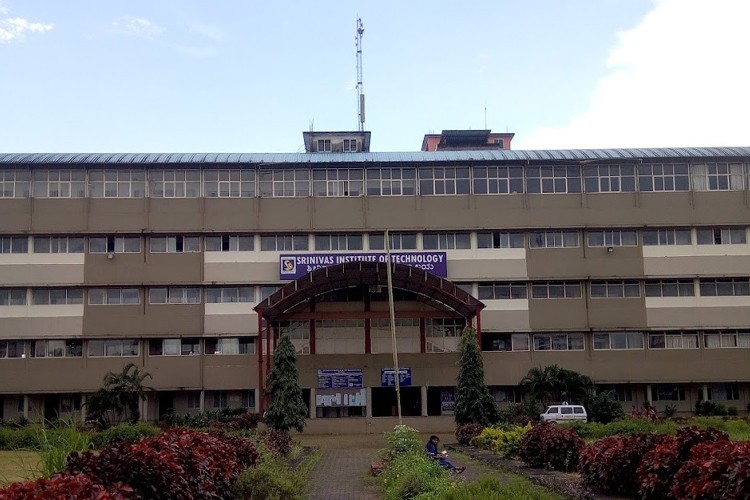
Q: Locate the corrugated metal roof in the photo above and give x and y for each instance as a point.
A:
(562, 155)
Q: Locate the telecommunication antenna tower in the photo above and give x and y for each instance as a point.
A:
(360, 88)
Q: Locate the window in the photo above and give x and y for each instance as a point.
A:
(173, 347)
(175, 183)
(115, 244)
(723, 392)
(299, 333)
(267, 291)
(114, 296)
(15, 183)
(615, 288)
(498, 180)
(229, 243)
(505, 341)
(556, 290)
(560, 179)
(398, 241)
(609, 178)
(663, 177)
(618, 340)
(338, 242)
(553, 239)
(446, 241)
(59, 183)
(338, 182)
(724, 287)
(117, 183)
(668, 392)
(612, 238)
(619, 392)
(391, 181)
(229, 183)
(732, 338)
(220, 399)
(284, 183)
(500, 239)
(442, 334)
(247, 399)
(12, 349)
(194, 400)
(113, 348)
(324, 146)
(673, 340)
(283, 242)
(58, 244)
(57, 349)
(12, 296)
(232, 345)
(226, 295)
(350, 145)
(14, 244)
(444, 181)
(558, 342)
(175, 295)
(56, 296)
(669, 236)
(718, 177)
(670, 288)
(502, 290)
(721, 236)
(175, 244)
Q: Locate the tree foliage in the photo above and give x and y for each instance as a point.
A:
(552, 383)
(474, 403)
(287, 409)
(119, 399)
(605, 408)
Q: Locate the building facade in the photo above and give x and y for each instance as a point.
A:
(629, 266)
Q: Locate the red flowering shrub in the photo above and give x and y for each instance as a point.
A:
(715, 470)
(465, 433)
(278, 442)
(77, 486)
(547, 445)
(609, 464)
(176, 464)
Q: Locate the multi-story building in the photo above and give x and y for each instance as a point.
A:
(630, 266)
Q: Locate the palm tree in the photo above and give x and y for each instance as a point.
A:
(552, 383)
(119, 398)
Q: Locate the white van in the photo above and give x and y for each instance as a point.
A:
(564, 413)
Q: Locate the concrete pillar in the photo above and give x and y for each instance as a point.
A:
(648, 394)
(704, 390)
(144, 409)
(313, 407)
(423, 391)
(26, 406)
(83, 408)
(368, 408)
(202, 401)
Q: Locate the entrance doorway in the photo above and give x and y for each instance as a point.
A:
(384, 402)
(166, 404)
(51, 407)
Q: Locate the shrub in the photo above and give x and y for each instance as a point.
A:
(403, 440)
(609, 464)
(715, 470)
(491, 488)
(411, 474)
(705, 408)
(670, 411)
(549, 446)
(659, 465)
(604, 408)
(176, 464)
(504, 441)
(55, 446)
(123, 432)
(465, 433)
(520, 413)
(19, 438)
(268, 480)
(277, 442)
(73, 486)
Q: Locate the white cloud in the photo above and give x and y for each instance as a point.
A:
(679, 78)
(209, 31)
(15, 28)
(137, 26)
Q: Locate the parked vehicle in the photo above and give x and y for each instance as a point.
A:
(564, 413)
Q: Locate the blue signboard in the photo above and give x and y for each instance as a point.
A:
(293, 266)
(387, 378)
(339, 379)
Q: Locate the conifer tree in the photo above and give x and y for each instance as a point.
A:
(287, 409)
(474, 403)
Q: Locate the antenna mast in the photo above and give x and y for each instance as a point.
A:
(360, 88)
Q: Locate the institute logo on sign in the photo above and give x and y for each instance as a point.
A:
(288, 266)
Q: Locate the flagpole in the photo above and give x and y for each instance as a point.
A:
(391, 308)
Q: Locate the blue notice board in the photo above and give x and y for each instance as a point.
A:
(387, 377)
(339, 379)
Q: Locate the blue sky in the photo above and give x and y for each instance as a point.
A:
(246, 76)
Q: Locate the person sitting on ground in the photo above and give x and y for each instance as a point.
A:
(432, 451)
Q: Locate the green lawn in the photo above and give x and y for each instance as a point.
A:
(18, 466)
